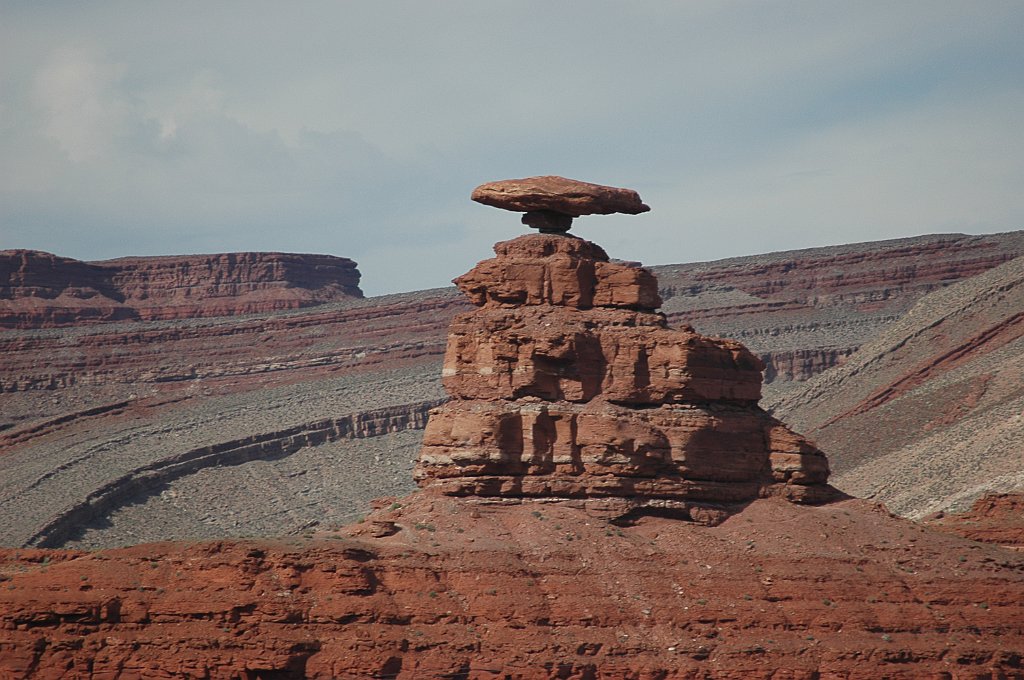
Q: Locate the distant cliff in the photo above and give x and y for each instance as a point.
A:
(41, 290)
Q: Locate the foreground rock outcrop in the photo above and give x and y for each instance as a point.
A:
(441, 587)
(567, 383)
(39, 290)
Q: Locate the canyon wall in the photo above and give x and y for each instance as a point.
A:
(40, 290)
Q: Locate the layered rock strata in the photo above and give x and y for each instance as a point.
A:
(436, 587)
(39, 290)
(927, 415)
(566, 382)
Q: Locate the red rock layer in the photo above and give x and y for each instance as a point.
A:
(994, 518)
(438, 587)
(566, 383)
(42, 290)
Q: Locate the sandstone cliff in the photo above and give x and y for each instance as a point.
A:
(40, 290)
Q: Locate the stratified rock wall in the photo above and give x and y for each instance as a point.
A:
(567, 383)
(39, 290)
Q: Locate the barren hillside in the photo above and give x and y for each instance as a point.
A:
(928, 415)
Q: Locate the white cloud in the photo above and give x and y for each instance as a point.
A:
(79, 104)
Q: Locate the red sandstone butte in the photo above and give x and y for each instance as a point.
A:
(566, 383)
(560, 195)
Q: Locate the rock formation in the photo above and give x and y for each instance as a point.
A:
(550, 202)
(567, 383)
(39, 290)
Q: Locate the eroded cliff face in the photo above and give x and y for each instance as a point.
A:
(566, 382)
(40, 290)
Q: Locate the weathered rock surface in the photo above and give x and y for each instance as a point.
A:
(566, 384)
(433, 586)
(564, 271)
(560, 195)
(994, 518)
(928, 415)
(39, 290)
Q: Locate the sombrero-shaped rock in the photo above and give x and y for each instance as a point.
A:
(550, 202)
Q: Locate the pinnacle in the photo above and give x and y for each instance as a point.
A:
(566, 382)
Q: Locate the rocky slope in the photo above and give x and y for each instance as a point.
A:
(40, 290)
(994, 518)
(803, 311)
(547, 546)
(461, 588)
(928, 416)
(83, 406)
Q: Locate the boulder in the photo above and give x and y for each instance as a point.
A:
(559, 195)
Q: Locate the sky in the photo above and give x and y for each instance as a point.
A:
(359, 129)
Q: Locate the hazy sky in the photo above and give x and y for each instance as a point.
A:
(360, 128)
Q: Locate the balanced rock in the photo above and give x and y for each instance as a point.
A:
(567, 383)
(550, 202)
